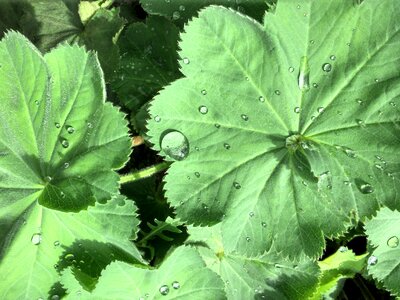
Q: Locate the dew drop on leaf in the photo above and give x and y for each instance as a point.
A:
(56, 243)
(392, 103)
(48, 178)
(303, 79)
(261, 99)
(37, 102)
(227, 146)
(277, 92)
(349, 152)
(332, 57)
(66, 165)
(69, 257)
(89, 125)
(245, 117)
(327, 67)
(157, 119)
(372, 260)
(36, 238)
(176, 15)
(164, 290)
(320, 110)
(343, 249)
(176, 285)
(236, 185)
(291, 69)
(297, 110)
(393, 242)
(203, 109)
(65, 143)
(70, 129)
(197, 174)
(364, 187)
(359, 101)
(57, 125)
(263, 224)
(360, 122)
(205, 207)
(315, 85)
(217, 125)
(204, 92)
(182, 8)
(248, 239)
(186, 61)
(175, 145)
(251, 214)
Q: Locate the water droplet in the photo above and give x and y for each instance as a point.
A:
(164, 290)
(89, 125)
(312, 42)
(393, 242)
(364, 187)
(176, 15)
(37, 102)
(204, 92)
(157, 119)
(217, 125)
(176, 285)
(263, 224)
(248, 239)
(245, 117)
(304, 183)
(343, 249)
(36, 238)
(359, 101)
(378, 166)
(66, 165)
(55, 297)
(320, 110)
(313, 118)
(297, 110)
(315, 85)
(236, 185)
(325, 181)
(227, 146)
(181, 8)
(197, 148)
(291, 69)
(205, 207)
(57, 125)
(186, 61)
(197, 174)
(70, 129)
(372, 260)
(203, 109)
(360, 122)
(69, 258)
(332, 57)
(62, 194)
(251, 214)
(277, 92)
(327, 67)
(65, 143)
(56, 243)
(303, 79)
(392, 103)
(376, 80)
(349, 152)
(48, 178)
(298, 6)
(261, 99)
(175, 145)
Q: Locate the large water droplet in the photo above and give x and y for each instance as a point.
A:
(372, 260)
(164, 290)
(70, 129)
(176, 285)
(203, 109)
(304, 75)
(393, 242)
(327, 67)
(36, 238)
(175, 145)
(65, 143)
(343, 249)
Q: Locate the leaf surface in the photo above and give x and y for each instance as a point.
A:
(383, 232)
(276, 135)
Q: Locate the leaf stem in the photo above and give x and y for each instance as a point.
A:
(131, 177)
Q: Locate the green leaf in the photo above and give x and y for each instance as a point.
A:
(336, 268)
(30, 252)
(182, 10)
(148, 60)
(266, 276)
(383, 232)
(88, 8)
(158, 230)
(182, 276)
(304, 161)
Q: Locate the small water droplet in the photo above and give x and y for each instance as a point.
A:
(36, 238)
(204, 92)
(175, 145)
(325, 181)
(56, 243)
(164, 290)
(378, 166)
(197, 174)
(327, 67)
(197, 148)
(263, 224)
(248, 239)
(55, 297)
(372, 260)
(315, 85)
(89, 125)
(70, 129)
(57, 125)
(343, 249)
(392, 103)
(66, 165)
(261, 99)
(217, 125)
(320, 110)
(157, 119)
(349, 152)
(181, 8)
(298, 6)
(245, 117)
(176, 15)
(291, 69)
(69, 258)
(48, 178)
(312, 42)
(332, 57)
(227, 146)
(205, 207)
(65, 143)
(376, 80)
(346, 182)
(304, 183)
(360, 123)
(277, 92)
(393, 242)
(251, 214)
(176, 285)
(186, 61)
(360, 101)
(62, 194)
(297, 110)
(236, 185)
(37, 102)
(203, 109)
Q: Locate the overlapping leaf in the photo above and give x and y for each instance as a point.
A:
(294, 124)
(57, 153)
(384, 235)
(182, 276)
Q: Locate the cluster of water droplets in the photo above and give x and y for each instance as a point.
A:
(164, 289)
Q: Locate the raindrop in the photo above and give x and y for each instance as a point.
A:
(37, 102)
(364, 187)
(217, 125)
(360, 122)
(320, 110)
(236, 185)
(56, 243)
(66, 165)
(197, 174)
(36, 238)
(181, 8)
(263, 224)
(65, 143)
(291, 69)
(48, 178)
(378, 166)
(332, 57)
(393, 242)
(312, 42)
(62, 194)
(70, 129)
(327, 67)
(164, 290)
(303, 79)
(175, 145)
(227, 146)
(176, 285)
(297, 110)
(372, 260)
(57, 125)
(261, 99)
(346, 182)
(251, 214)
(313, 118)
(325, 181)
(359, 101)
(245, 117)
(204, 92)
(277, 92)
(343, 249)
(298, 6)
(196, 148)
(89, 125)
(69, 257)
(157, 119)
(349, 152)
(203, 109)
(176, 15)
(55, 297)
(248, 239)
(392, 103)
(186, 61)
(376, 80)
(205, 207)
(315, 85)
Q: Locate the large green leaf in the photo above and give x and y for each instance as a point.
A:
(148, 60)
(266, 276)
(182, 10)
(57, 148)
(182, 276)
(384, 235)
(37, 240)
(294, 124)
